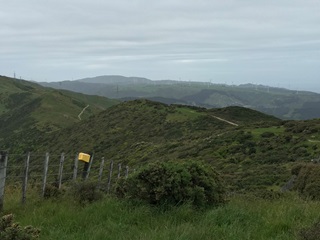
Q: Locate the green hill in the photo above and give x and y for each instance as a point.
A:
(27, 110)
(252, 150)
(282, 103)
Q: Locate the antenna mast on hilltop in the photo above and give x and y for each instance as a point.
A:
(14, 75)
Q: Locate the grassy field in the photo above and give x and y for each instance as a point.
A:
(243, 217)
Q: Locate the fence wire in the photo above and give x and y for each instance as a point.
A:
(30, 170)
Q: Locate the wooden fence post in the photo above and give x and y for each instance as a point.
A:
(60, 170)
(101, 169)
(75, 167)
(25, 179)
(110, 176)
(119, 170)
(3, 175)
(45, 173)
(89, 167)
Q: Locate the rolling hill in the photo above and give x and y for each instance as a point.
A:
(27, 110)
(282, 103)
(252, 150)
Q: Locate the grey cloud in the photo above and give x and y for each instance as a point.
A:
(230, 41)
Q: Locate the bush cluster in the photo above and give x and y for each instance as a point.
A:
(267, 194)
(311, 233)
(267, 134)
(174, 183)
(86, 192)
(307, 182)
(52, 191)
(9, 230)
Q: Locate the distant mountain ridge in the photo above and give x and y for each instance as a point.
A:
(282, 103)
(115, 79)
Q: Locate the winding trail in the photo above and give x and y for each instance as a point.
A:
(79, 116)
(231, 123)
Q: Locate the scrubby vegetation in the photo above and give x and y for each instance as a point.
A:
(10, 230)
(85, 192)
(307, 182)
(177, 193)
(174, 149)
(174, 183)
(243, 217)
(257, 154)
(310, 233)
(29, 111)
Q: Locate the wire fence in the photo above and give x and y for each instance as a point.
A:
(43, 170)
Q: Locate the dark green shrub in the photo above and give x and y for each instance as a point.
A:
(52, 191)
(311, 233)
(267, 194)
(267, 134)
(86, 192)
(296, 169)
(174, 183)
(273, 156)
(308, 181)
(9, 230)
(312, 190)
(301, 151)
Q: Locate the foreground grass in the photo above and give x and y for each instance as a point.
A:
(242, 218)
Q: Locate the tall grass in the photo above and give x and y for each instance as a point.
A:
(244, 217)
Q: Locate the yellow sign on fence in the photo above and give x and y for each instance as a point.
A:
(84, 157)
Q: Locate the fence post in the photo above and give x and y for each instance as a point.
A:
(25, 179)
(45, 173)
(101, 169)
(87, 168)
(3, 172)
(110, 176)
(127, 172)
(119, 170)
(75, 167)
(60, 170)
(90, 164)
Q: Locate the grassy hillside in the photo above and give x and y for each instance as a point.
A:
(244, 217)
(282, 103)
(252, 150)
(27, 110)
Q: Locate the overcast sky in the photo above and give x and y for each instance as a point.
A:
(272, 42)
